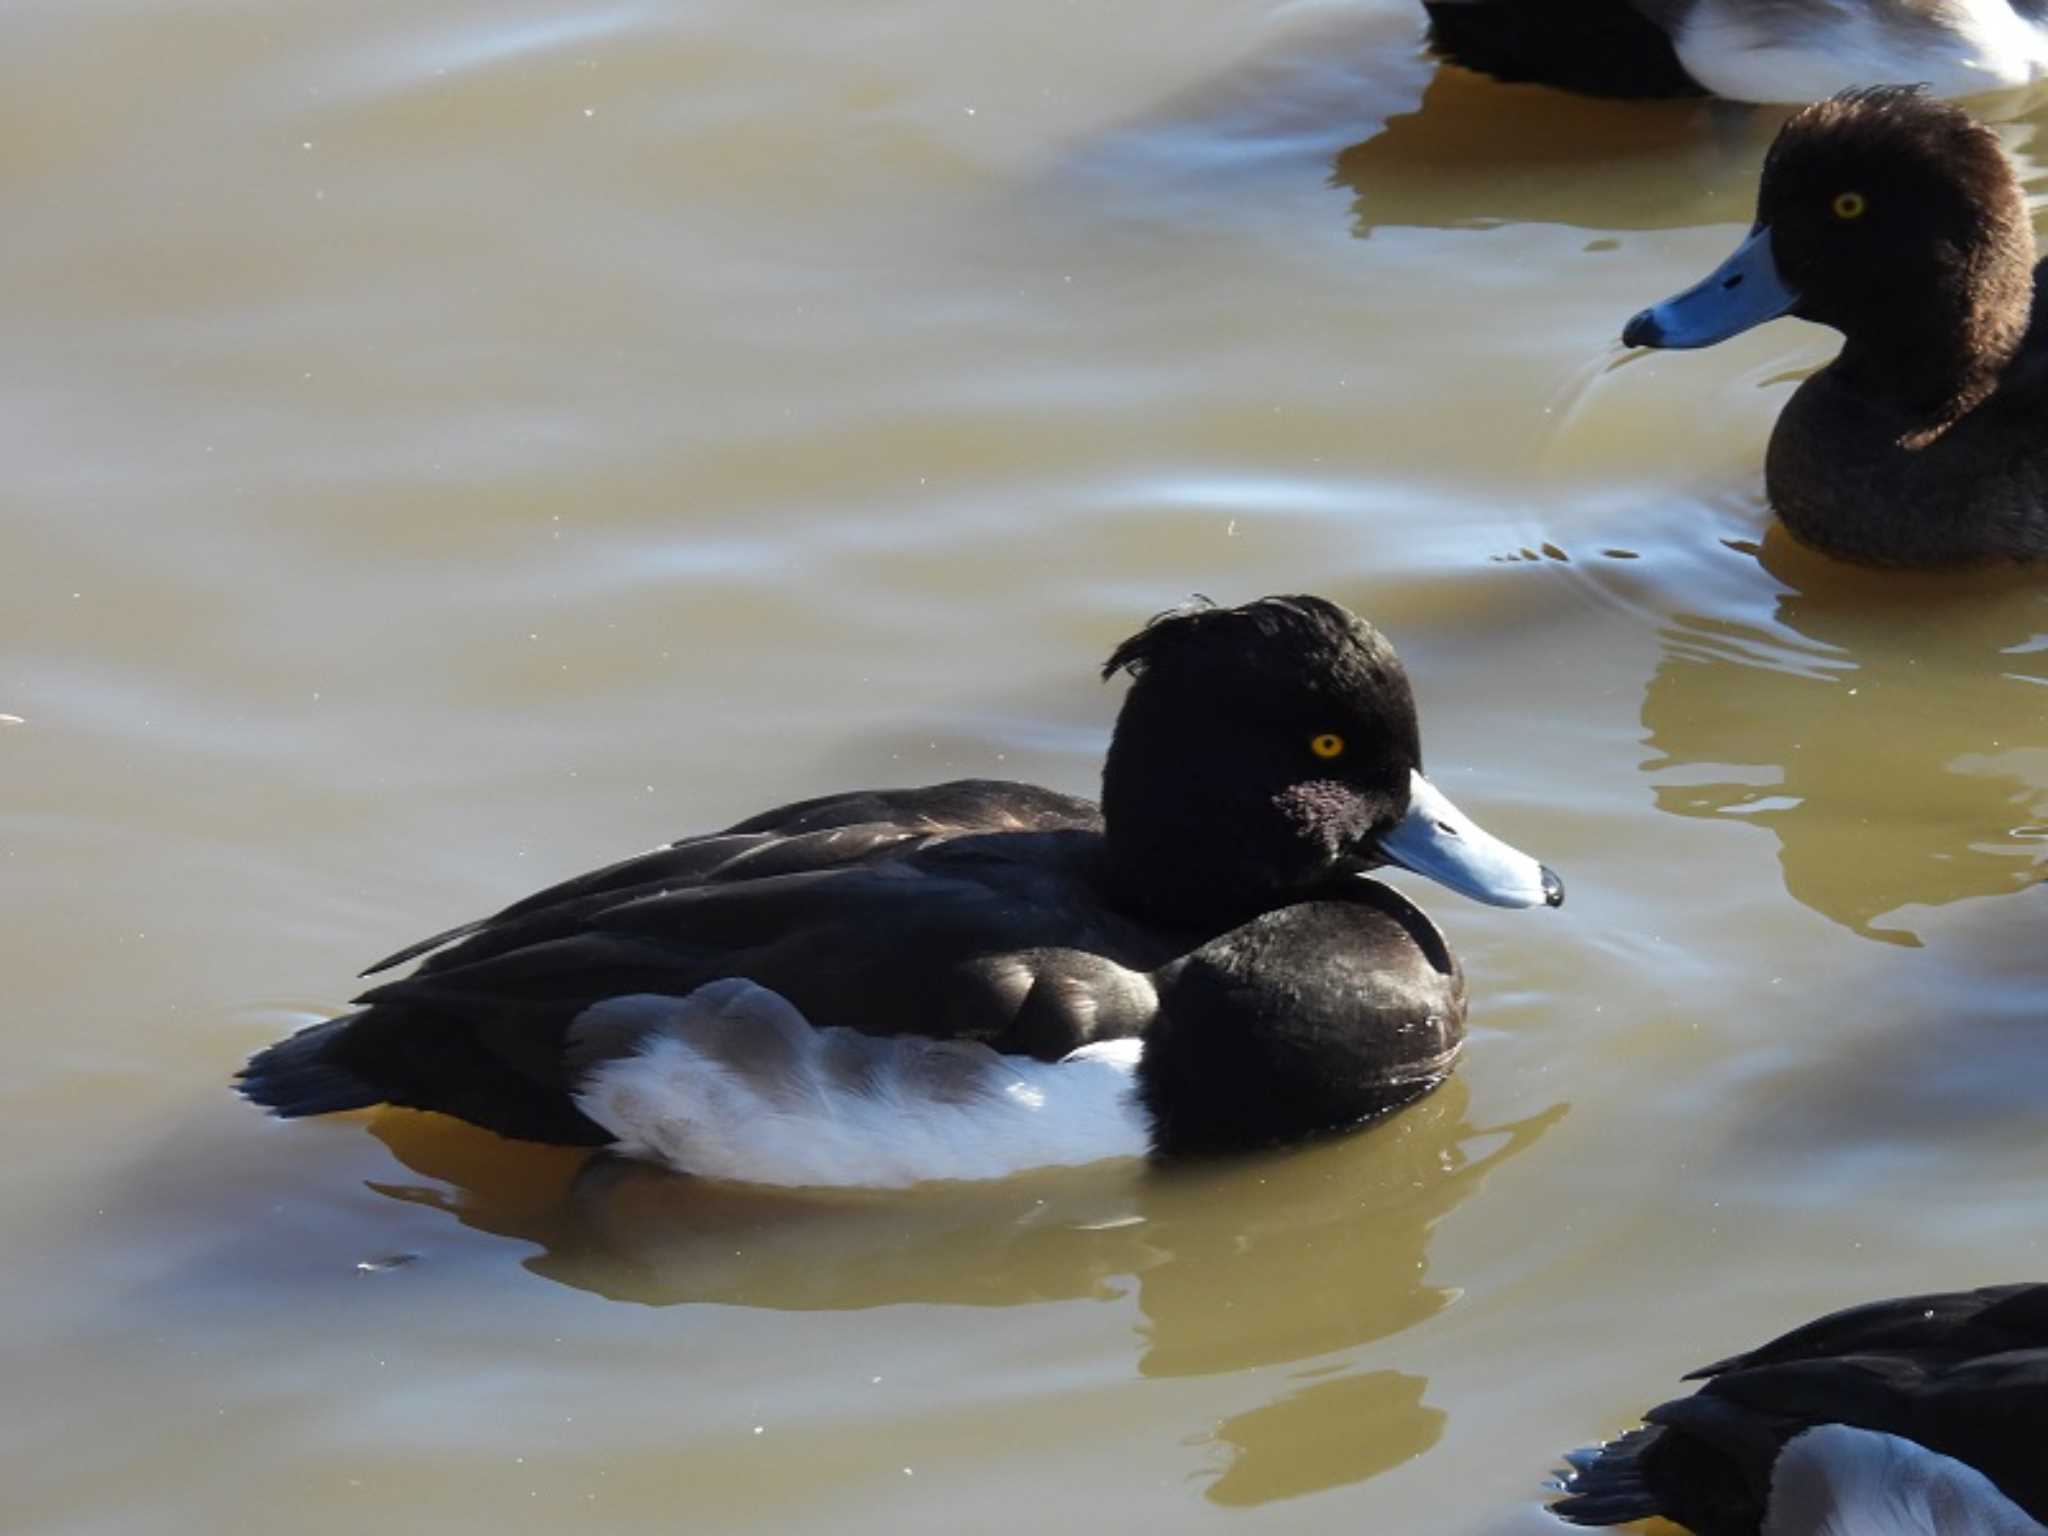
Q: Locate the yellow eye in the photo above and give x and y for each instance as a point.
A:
(1329, 744)
(1849, 205)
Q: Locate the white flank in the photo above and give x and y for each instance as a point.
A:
(732, 1082)
(1838, 1481)
(1749, 52)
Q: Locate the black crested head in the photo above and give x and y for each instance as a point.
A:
(1303, 643)
(1898, 220)
(1260, 751)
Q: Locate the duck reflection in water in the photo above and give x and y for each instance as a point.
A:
(1470, 156)
(1888, 728)
(1238, 1264)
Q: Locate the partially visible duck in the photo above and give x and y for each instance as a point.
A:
(1898, 221)
(975, 978)
(1745, 50)
(1915, 1417)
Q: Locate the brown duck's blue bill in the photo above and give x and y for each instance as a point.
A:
(1745, 290)
(1437, 839)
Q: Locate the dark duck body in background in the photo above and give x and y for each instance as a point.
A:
(1594, 47)
(974, 978)
(1745, 50)
(1920, 1416)
(1898, 221)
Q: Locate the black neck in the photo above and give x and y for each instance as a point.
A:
(1933, 361)
(1929, 383)
(1187, 841)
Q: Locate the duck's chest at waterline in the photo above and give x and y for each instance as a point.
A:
(1853, 480)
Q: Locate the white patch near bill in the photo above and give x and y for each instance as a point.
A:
(732, 1082)
(1838, 1481)
(1780, 53)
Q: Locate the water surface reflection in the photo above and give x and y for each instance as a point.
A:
(1239, 1265)
(1887, 727)
(1474, 153)
(1465, 159)
(1331, 1433)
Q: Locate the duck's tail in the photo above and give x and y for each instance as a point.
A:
(503, 1074)
(1702, 1462)
(1596, 47)
(1605, 1485)
(294, 1078)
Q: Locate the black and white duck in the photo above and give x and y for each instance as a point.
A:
(1746, 50)
(968, 980)
(1920, 1416)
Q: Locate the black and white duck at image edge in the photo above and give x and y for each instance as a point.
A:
(1922, 1416)
(972, 979)
(1784, 51)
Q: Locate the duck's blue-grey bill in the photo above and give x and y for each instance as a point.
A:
(1745, 290)
(1437, 839)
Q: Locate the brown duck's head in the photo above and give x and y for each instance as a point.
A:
(1892, 217)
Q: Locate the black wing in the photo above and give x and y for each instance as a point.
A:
(1953, 1324)
(821, 833)
(935, 920)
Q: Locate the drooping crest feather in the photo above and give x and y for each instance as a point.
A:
(1294, 626)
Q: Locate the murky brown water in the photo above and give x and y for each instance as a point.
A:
(449, 445)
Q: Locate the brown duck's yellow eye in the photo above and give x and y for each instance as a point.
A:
(1849, 205)
(1329, 744)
